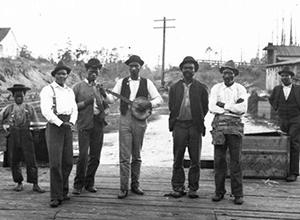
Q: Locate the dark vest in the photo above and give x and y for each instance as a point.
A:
(125, 91)
(288, 109)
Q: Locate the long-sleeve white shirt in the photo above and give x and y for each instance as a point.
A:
(65, 103)
(229, 96)
(155, 97)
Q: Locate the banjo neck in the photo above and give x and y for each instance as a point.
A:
(120, 97)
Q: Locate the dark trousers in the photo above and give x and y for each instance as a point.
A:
(20, 144)
(292, 128)
(60, 149)
(234, 143)
(186, 135)
(88, 163)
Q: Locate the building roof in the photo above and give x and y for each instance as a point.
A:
(285, 63)
(284, 51)
(3, 33)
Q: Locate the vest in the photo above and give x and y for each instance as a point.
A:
(288, 109)
(125, 91)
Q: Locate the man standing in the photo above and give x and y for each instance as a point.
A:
(132, 130)
(285, 99)
(17, 118)
(228, 101)
(188, 105)
(58, 106)
(90, 123)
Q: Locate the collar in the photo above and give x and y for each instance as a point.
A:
(183, 82)
(229, 87)
(58, 86)
(289, 86)
(138, 79)
(87, 82)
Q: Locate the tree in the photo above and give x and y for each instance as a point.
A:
(25, 52)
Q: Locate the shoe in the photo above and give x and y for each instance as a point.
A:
(66, 198)
(19, 187)
(217, 197)
(38, 189)
(91, 189)
(122, 194)
(192, 194)
(238, 200)
(177, 194)
(137, 190)
(291, 178)
(76, 191)
(54, 203)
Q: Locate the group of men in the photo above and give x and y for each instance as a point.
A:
(86, 106)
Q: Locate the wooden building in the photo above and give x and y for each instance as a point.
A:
(281, 53)
(272, 77)
(8, 44)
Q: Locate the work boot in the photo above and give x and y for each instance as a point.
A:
(19, 187)
(54, 203)
(177, 194)
(76, 191)
(122, 194)
(217, 197)
(238, 200)
(192, 194)
(91, 189)
(291, 178)
(137, 190)
(36, 188)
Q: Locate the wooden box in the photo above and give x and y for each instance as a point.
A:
(265, 156)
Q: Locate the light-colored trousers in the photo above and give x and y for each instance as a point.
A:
(131, 135)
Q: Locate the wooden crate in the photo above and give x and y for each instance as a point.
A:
(265, 156)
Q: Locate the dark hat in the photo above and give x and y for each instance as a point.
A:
(94, 62)
(18, 87)
(286, 69)
(189, 59)
(61, 66)
(134, 58)
(229, 65)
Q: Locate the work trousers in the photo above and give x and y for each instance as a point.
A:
(60, 150)
(21, 146)
(186, 135)
(131, 135)
(234, 144)
(90, 145)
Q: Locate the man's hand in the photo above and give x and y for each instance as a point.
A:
(240, 100)
(220, 104)
(6, 127)
(101, 90)
(68, 124)
(89, 101)
(144, 105)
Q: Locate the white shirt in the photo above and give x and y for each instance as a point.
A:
(228, 95)
(65, 103)
(155, 97)
(286, 90)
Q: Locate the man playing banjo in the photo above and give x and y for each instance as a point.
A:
(134, 110)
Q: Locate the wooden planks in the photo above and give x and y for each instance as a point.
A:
(263, 199)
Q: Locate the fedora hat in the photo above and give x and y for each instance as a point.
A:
(286, 69)
(94, 62)
(61, 66)
(229, 65)
(189, 59)
(18, 87)
(135, 59)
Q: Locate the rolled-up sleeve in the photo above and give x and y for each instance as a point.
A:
(213, 99)
(156, 99)
(239, 108)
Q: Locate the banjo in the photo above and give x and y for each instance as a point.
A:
(136, 111)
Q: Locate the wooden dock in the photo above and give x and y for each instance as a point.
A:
(264, 199)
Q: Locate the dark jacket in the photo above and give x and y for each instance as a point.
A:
(274, 98)
(198, 99)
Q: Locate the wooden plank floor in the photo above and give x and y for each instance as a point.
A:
(263, 199)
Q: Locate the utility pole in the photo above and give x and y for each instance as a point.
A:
(164, 20)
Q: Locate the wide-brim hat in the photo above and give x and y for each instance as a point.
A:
(61, 66)
(94, 63)
(18, 87)
(134, 59)
(286, 69)
(189, 59)
(229, 65)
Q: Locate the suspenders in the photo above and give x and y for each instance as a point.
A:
(54, 101)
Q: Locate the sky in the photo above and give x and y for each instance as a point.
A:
(233, 29)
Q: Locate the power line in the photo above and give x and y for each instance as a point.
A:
(164, 27)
